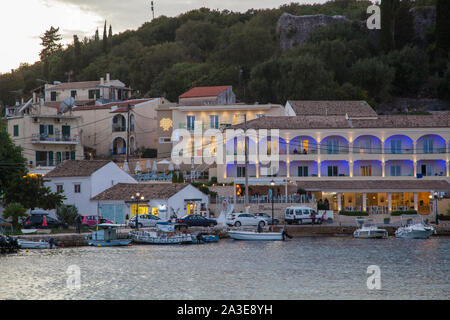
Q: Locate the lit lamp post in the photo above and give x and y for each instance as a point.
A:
(272, 183)
(137, 199)
(435, 196)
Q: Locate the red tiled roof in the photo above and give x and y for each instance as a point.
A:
(122, 104)
(204, 92)
(77, 168)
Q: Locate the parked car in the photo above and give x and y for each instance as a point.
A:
(301, 215)
(245, 219)
(90, 221)
(145, 220)
(35, 222)
(196, 220)
(268, 218)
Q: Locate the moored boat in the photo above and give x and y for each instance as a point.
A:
(41, 244)
(414, 229)
(106, 238)
(252, 235)
(369, 230)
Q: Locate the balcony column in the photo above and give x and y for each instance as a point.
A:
(389, 202)
(416, 202)
(339, 205)
(257, 168)
(350, 168)
(383, 166)
(350, 147)
(414, 146)
(318, 146)
(364, 201)
(415, 168)
(234, 193)
(288, 169)
(447, 169)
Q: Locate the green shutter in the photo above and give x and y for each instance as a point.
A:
(38, 157)
(58, 158)
(50, 129)
(16, 130)
(72, 155)
(41, 129)
(66, 131)
(50, 156)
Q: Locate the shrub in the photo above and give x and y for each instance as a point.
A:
(14, 211)
(67, 214)
(354, 213)
(174, 177)
(181, 177)
(399, 213)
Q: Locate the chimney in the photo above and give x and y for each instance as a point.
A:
(107, 77)
(102, 81)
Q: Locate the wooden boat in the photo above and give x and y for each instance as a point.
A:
(106, 238)
(152, 237)
(252, 235)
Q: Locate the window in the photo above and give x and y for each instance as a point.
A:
(366, 146)
(240, 172)
(332, 146)
(73, 93)
(53, 96)
(332, 171)
(396, 146)
(303, 171)
(396, 171)
(164, 140)
(59, 188)
(214, 121)
(190, 122)
(66, 131)
(77, 188)
(16, 130)
(366, 171)
(428, 145)
(46, 130)
(426, 170)
(259, 115)
(91, 94)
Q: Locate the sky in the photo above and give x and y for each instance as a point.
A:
(23, 21)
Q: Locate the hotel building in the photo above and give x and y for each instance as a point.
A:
(344, 152)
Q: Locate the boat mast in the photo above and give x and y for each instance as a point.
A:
(246, 162)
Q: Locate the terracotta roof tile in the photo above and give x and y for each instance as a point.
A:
(204, 92)
(123, 191)
(77, 168)
(332, 108)
(121, 105)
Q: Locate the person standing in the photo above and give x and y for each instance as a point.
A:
(44, 222)
(78, 223)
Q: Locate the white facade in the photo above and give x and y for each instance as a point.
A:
(102, 179)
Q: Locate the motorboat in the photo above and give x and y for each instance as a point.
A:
(28, 231)
(164, 234)
(369, 230)
(414, 229)
(41, 244)
(253, 235)
(106, 238)
(205, 238)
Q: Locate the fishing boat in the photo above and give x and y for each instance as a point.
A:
(369, 230)
(106, 237)
(41, 244)
(164, 234)
(414, 229)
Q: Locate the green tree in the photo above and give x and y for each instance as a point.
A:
(404, 25)
(96, 36)
(174, 177)
(105, 39)
(15, 211)
(388, 9)
(67, 214)
(76, 55)
(50, 45)
(180, 177)
(443, 25)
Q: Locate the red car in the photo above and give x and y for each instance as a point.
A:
(91, 221)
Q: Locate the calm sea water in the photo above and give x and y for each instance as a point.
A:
(302, 268)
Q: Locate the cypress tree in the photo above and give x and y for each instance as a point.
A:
(105, 39)
(96, 37)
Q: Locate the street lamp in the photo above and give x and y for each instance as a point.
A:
(137, 199)
(272, 183)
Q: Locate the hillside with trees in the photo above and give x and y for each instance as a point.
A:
(169, 55)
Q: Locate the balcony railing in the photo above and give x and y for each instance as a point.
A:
(37, 138)
(267, 199)
(118, 128)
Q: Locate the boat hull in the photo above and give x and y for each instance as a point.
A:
(111, 243)
(34, 245)
(413, 234)
(370, 234)
(256, 236)
(163, 240)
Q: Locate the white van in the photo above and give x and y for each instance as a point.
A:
(301, 215)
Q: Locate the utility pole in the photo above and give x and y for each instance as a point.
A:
(153, 10)
(246, 162)
(128, 134)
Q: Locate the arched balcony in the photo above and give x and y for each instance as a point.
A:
(119, 146)
(429, 168)
(236, 146)
(119, 123)
(271, 144)
(334, 168)
(334, 145)
(271, 170)
(303, 169)
(303, 145)
(398, 144)
(237, 170)
(367, 168)
(367, 144)
(397, 168)
(132, 123)
(430, 143)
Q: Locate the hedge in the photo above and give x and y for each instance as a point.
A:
(399, 213)
(354, 213)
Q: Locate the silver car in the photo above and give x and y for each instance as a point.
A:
(245, 219)
(144, 220)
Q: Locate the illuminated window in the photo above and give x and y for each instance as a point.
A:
(366, 171)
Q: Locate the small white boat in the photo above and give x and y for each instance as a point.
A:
(252, 235)
(41, 244)
(28, 231)
(369, 230)
(151, 237)
(414, 229)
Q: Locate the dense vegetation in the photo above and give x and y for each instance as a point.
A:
(168, 55)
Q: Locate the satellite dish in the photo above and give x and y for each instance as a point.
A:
(67, 105)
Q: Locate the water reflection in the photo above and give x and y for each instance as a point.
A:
(304, 268)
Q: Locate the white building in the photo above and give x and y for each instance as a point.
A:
(161, 199)
(81, 180)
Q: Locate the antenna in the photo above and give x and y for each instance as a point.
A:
(153, 9)
(67, 105)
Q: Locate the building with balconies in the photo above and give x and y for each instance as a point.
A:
(363, 162)
(46, 137)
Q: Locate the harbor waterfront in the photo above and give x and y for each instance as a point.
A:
(301, 268)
